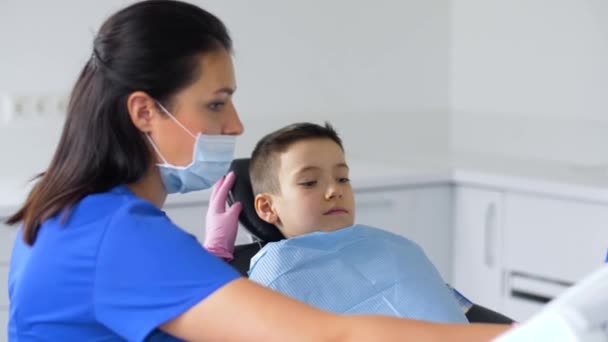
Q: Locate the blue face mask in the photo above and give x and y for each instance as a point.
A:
(211, 159)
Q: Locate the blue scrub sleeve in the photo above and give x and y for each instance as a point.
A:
(149, 271)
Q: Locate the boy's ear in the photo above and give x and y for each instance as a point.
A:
(263, 207)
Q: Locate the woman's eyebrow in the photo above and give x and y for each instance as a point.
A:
(226, 90)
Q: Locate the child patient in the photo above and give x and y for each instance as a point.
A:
(300, 180)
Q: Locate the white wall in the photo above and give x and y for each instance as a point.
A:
(378, 71)
(529, 79)
(402, 81)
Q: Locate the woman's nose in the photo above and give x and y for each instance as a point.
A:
(234, 126)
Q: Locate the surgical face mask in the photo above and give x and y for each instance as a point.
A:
(211, 159)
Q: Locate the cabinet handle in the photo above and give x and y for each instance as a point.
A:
(489, 231)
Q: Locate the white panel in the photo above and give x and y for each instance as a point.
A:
(3, 302)
(557, 239)
(7, 238)
(477, 250)
(3, 285)
(420, 214)
(191, 217)
(3, 325)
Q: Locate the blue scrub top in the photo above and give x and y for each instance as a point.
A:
(115, 270)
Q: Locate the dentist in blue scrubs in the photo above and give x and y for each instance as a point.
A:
(97, 259)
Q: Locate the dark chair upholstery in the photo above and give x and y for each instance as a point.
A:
(264, 232)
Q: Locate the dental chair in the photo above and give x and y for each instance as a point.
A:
(264, 232)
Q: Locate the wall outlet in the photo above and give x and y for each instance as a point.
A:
(20, 107)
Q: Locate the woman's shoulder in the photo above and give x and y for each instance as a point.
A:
(130, 211)
(116, 203)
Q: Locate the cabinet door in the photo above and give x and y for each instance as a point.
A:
(552, 238)
(191, 218)
(421, 214)
(477, 245)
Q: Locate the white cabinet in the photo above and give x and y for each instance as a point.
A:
(422, 214)
(477, 225)
(550, 243)
(554, 238)
(515, 251)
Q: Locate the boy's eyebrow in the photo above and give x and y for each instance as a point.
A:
(307, 168)
(342, 165)
(313, 168)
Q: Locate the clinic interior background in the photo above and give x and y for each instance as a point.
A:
(431, 81)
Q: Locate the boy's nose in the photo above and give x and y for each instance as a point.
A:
(333, 192)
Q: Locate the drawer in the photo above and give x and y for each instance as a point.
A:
(520, 310)
(7, 238)
(558, 239)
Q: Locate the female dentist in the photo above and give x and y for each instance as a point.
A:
(97, 259)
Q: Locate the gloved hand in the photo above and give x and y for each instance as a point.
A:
(221, 224)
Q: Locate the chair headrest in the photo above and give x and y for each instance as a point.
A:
(242, 192)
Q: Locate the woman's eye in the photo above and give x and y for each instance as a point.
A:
(308, 184)
(215, 106)
(344, 180)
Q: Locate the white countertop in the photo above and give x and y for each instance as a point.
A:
(585, 183)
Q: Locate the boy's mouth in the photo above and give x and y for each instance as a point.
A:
(336, 211)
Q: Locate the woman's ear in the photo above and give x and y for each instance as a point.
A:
(142, 110)
(263, 207)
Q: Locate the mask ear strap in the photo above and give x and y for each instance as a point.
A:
(156, 148)
(175, 120)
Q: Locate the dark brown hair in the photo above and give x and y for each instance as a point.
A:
(152, 46)
(263, 165)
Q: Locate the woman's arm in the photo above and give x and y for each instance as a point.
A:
(245, 311)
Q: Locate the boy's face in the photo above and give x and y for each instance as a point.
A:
(315, 191)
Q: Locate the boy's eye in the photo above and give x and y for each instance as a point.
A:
(344, 180)
(215, 106)
(308, 184)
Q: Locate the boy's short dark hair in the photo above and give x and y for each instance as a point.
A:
(263, 165)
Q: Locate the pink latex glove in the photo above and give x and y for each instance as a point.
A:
(222, 224)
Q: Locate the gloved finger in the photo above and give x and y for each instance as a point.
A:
(216, 186)
(219, 202)
(235, 209)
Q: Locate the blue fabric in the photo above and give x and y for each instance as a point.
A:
(464, 302)
(116, 270)
(357, 270)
